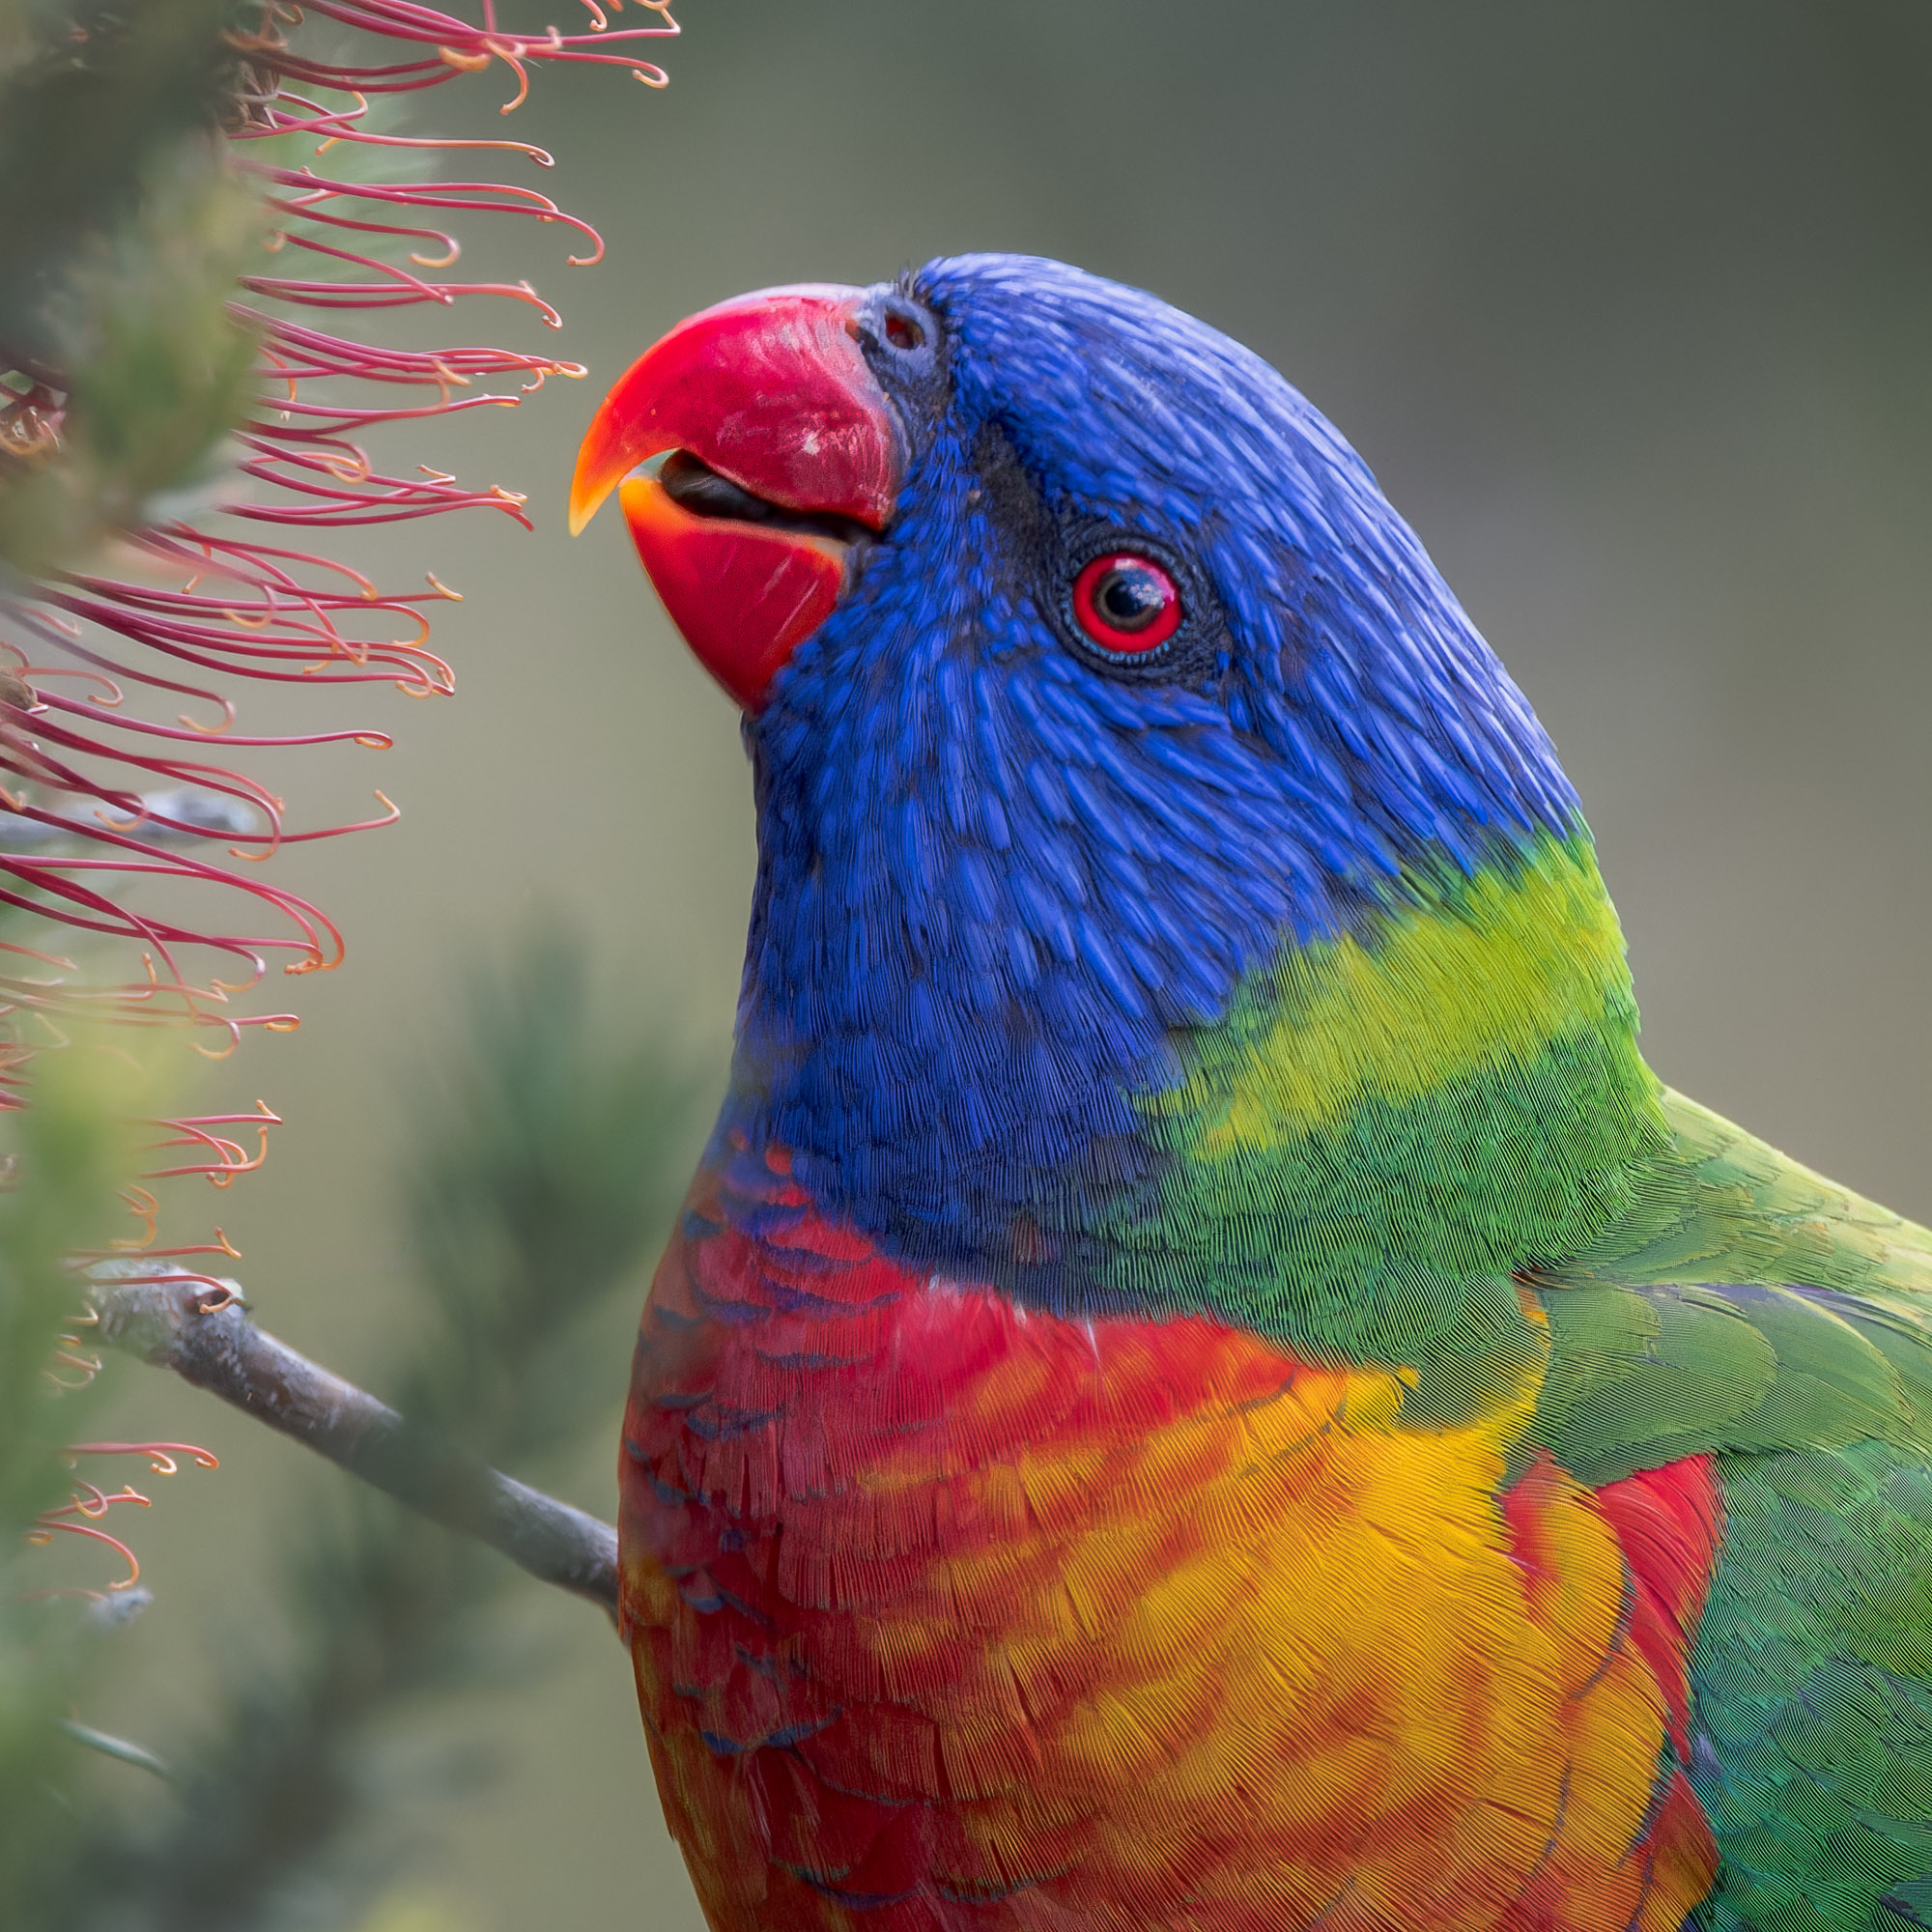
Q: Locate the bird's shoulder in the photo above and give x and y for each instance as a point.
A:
(1742, 1304)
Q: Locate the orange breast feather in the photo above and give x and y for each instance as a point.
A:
(947, 1615)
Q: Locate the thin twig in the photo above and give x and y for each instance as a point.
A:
(109, 1745)
(200, 1329)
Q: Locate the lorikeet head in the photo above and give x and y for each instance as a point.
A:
(1088, 678)
(1004, 439)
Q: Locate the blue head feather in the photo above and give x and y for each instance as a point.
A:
(996, 884)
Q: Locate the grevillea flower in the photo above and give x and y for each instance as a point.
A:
(125, 808)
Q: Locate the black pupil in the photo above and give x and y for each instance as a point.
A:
(1130, 597)
(902, 332)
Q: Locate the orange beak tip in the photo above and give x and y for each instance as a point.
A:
(587, 492)
(774, 393)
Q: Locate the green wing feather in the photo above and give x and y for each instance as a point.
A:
(1750, 1309)
(1369, 1149)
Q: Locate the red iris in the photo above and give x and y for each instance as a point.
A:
(1129, 605)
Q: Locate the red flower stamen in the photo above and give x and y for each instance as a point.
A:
(95, 807)
(88, 1503)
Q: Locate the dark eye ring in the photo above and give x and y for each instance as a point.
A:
(1126, 604)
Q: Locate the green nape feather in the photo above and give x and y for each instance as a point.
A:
(1747, 1307)
(1387, 1128)
(1393, 1134)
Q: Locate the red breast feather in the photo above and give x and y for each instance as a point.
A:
(948, 1615)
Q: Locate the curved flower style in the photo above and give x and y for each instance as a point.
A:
(88, 1503)
(120, 813)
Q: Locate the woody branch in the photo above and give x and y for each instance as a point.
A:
(201, 1330)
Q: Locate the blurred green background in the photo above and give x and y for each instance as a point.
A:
(1628, 308)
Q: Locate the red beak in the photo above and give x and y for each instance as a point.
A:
(772, 394)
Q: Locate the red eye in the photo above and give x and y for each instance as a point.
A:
(1126, 604)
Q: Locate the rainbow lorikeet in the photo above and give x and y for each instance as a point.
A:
(1202, 1383)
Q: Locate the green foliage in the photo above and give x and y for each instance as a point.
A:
(68, 1155)
(122, 227)
(538, 1187)
(539, 1179)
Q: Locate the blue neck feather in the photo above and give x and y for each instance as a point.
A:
(996, 888)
